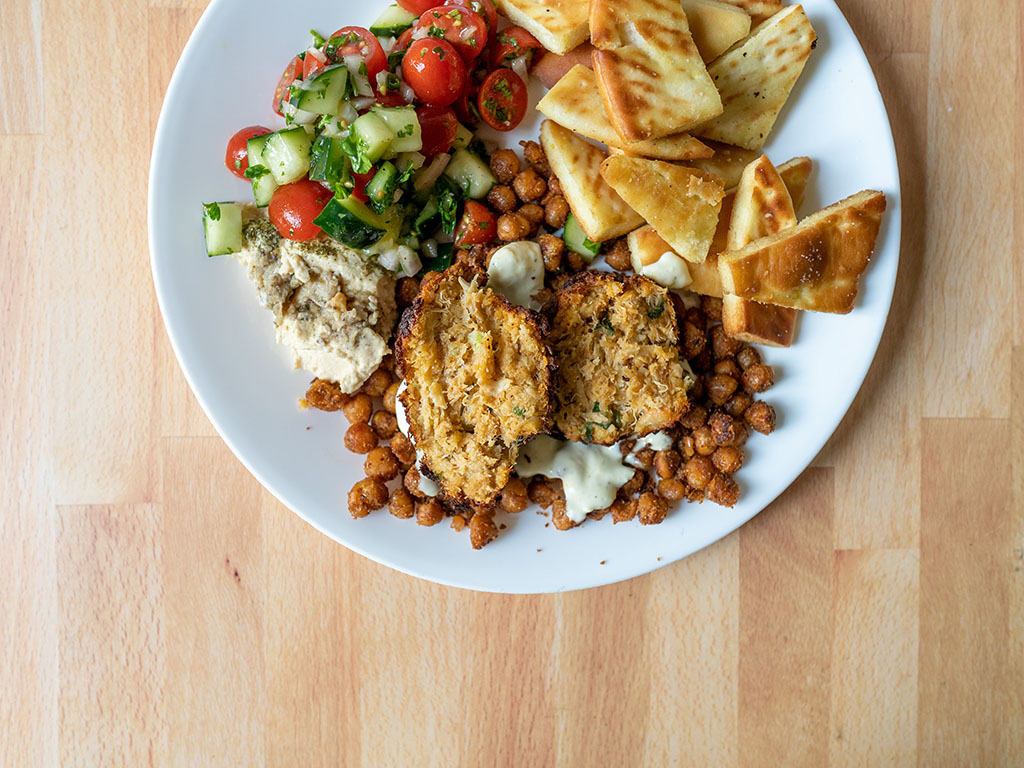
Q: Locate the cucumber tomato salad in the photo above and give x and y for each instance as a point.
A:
(378, 149)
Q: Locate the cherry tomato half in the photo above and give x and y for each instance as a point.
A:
(417, 6)
(291, 72)
(485, 8)
(438, 125)
(502, 100)
(403, 41)
(512, 43)
(435, 71)
(477, 225)
(463, 28)
(236, 158)
(294, 206)
(311, 64)
(361, 41)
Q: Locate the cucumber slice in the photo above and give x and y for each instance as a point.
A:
(254, 148)
(371, 136)
(462, 137)
(350, 222)
(381, 189)
(327, 160)
(222, 224)
(428, 219)
(286, 155)
(393, 22)
(471, 174)
(263, 184)
(576, 239)
(406, 126)
(322, 93)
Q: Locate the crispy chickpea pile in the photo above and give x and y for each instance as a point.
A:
(707, 442)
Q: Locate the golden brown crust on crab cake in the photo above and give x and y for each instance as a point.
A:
(478, 375)
(620, 372)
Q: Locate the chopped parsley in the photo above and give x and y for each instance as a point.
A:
(605, 324)
(497, 111)
(433, 31)
(597, 407)
(439, 51)
(518, 411)
(256, 171)
(655, 312)
(212, 211)
(449, 195)
(318, 39)
(501, 86)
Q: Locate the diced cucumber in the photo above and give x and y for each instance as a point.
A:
(286, 154)
(393, 22)
(470, 173)
(441, 262)
(350, 222)
(322, 93)
(380, 191)
(327, 161)
(254, 148)
(263, 185)
(406, 126)
(462, 137)
(576, 239)
(372, 136)
(222, 223)
(429, 218)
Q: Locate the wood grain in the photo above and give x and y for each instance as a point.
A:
(160, 608)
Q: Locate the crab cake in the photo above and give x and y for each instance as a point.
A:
(620, 371)
(478, 374)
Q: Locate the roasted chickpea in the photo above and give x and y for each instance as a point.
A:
(738, 404)
(504, 165)
(727, 459)
(533, 153)
(644, 457)
(429, 512)
(573, 260)
(367, 495)
(694, 340)
(723, 429)
(402, 504)
(551, 249)
(512, 227)
(403, 449)
(722, 344)
(458, 523)
(406, 291)
(723, 490)
(672, 489)
(698, 472)
(747, 357)
(391, 397)
(651, 509)
(633, 485)
(758, 378)
(703, 442)
(385, 424)
(696, 316)
(623, 510)
(358, 408)
(694, 418)
(685, 447)
(720, 388)
(701, 363)
(381, 464)
(533, 213)
(559, 519)
(761, 417)
(377, 384)
(617, 256)
(514, 497)
(411, 482)
(554, 190)
(502, 198)
(666, 463)
(543, 492)
(360, 438)
(529, 185)
(712, 307)
(728, 367)
(325, 396)
(482, 530)
(556, 211)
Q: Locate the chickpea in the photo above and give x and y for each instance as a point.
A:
(529, 185)
(720, 388)
(534, 155)
(514, 497)
(551, 249)
(723, 429)
(556, 211)
(543, 492)
(644, 457)
(651, 509)
(403, 449)
(742, 433)
(429, 512)
(694, 418)
(366, 495)
(381, 464)
(512, 227)
(402, 504)
(633, 485)
(532, 212)
(666, 463)
(505, 165)
(696, 316)
(747, 357)
(377, 384)
(458, 523)
(723, 490)
(482, 530)
(385, 424)
(728, 367)
(411, 482)
(758, 378)
(617, 256)
(623, 510)
(502, 198)
(561, 520)
(391, 397)
(554, 190)
(406, 291)
(389, 363)
(723, 345)
(358, 409)
(727, 459)
(712, 307)
(685, 446)
(698, 472)
(703, 442)
(325, 396)
(701, 363)
(738, 404)
(360, 438)
(672, 489)
(573, 260)
(761, 417)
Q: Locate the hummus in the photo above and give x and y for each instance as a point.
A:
(334, 307)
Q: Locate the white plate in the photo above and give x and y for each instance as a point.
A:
(244, 381)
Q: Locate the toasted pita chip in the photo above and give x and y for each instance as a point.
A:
(559, 25)
(727, 163)
(682, 204)
(757, 323)
(715, 26)
(756, 78)
(597, 207)
(814, 265)
(575, 103)
(759, 10)
(648, 69)
(552, 67)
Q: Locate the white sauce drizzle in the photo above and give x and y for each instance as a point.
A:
(590, 474)
(516, 271)
(427, 486)
(669, 270)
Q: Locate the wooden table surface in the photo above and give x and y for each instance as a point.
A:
(158, 607)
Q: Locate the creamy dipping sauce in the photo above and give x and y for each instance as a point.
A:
(590, 474)
(656, 441)
(669, 270)
(516, 271)
(427, 486)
